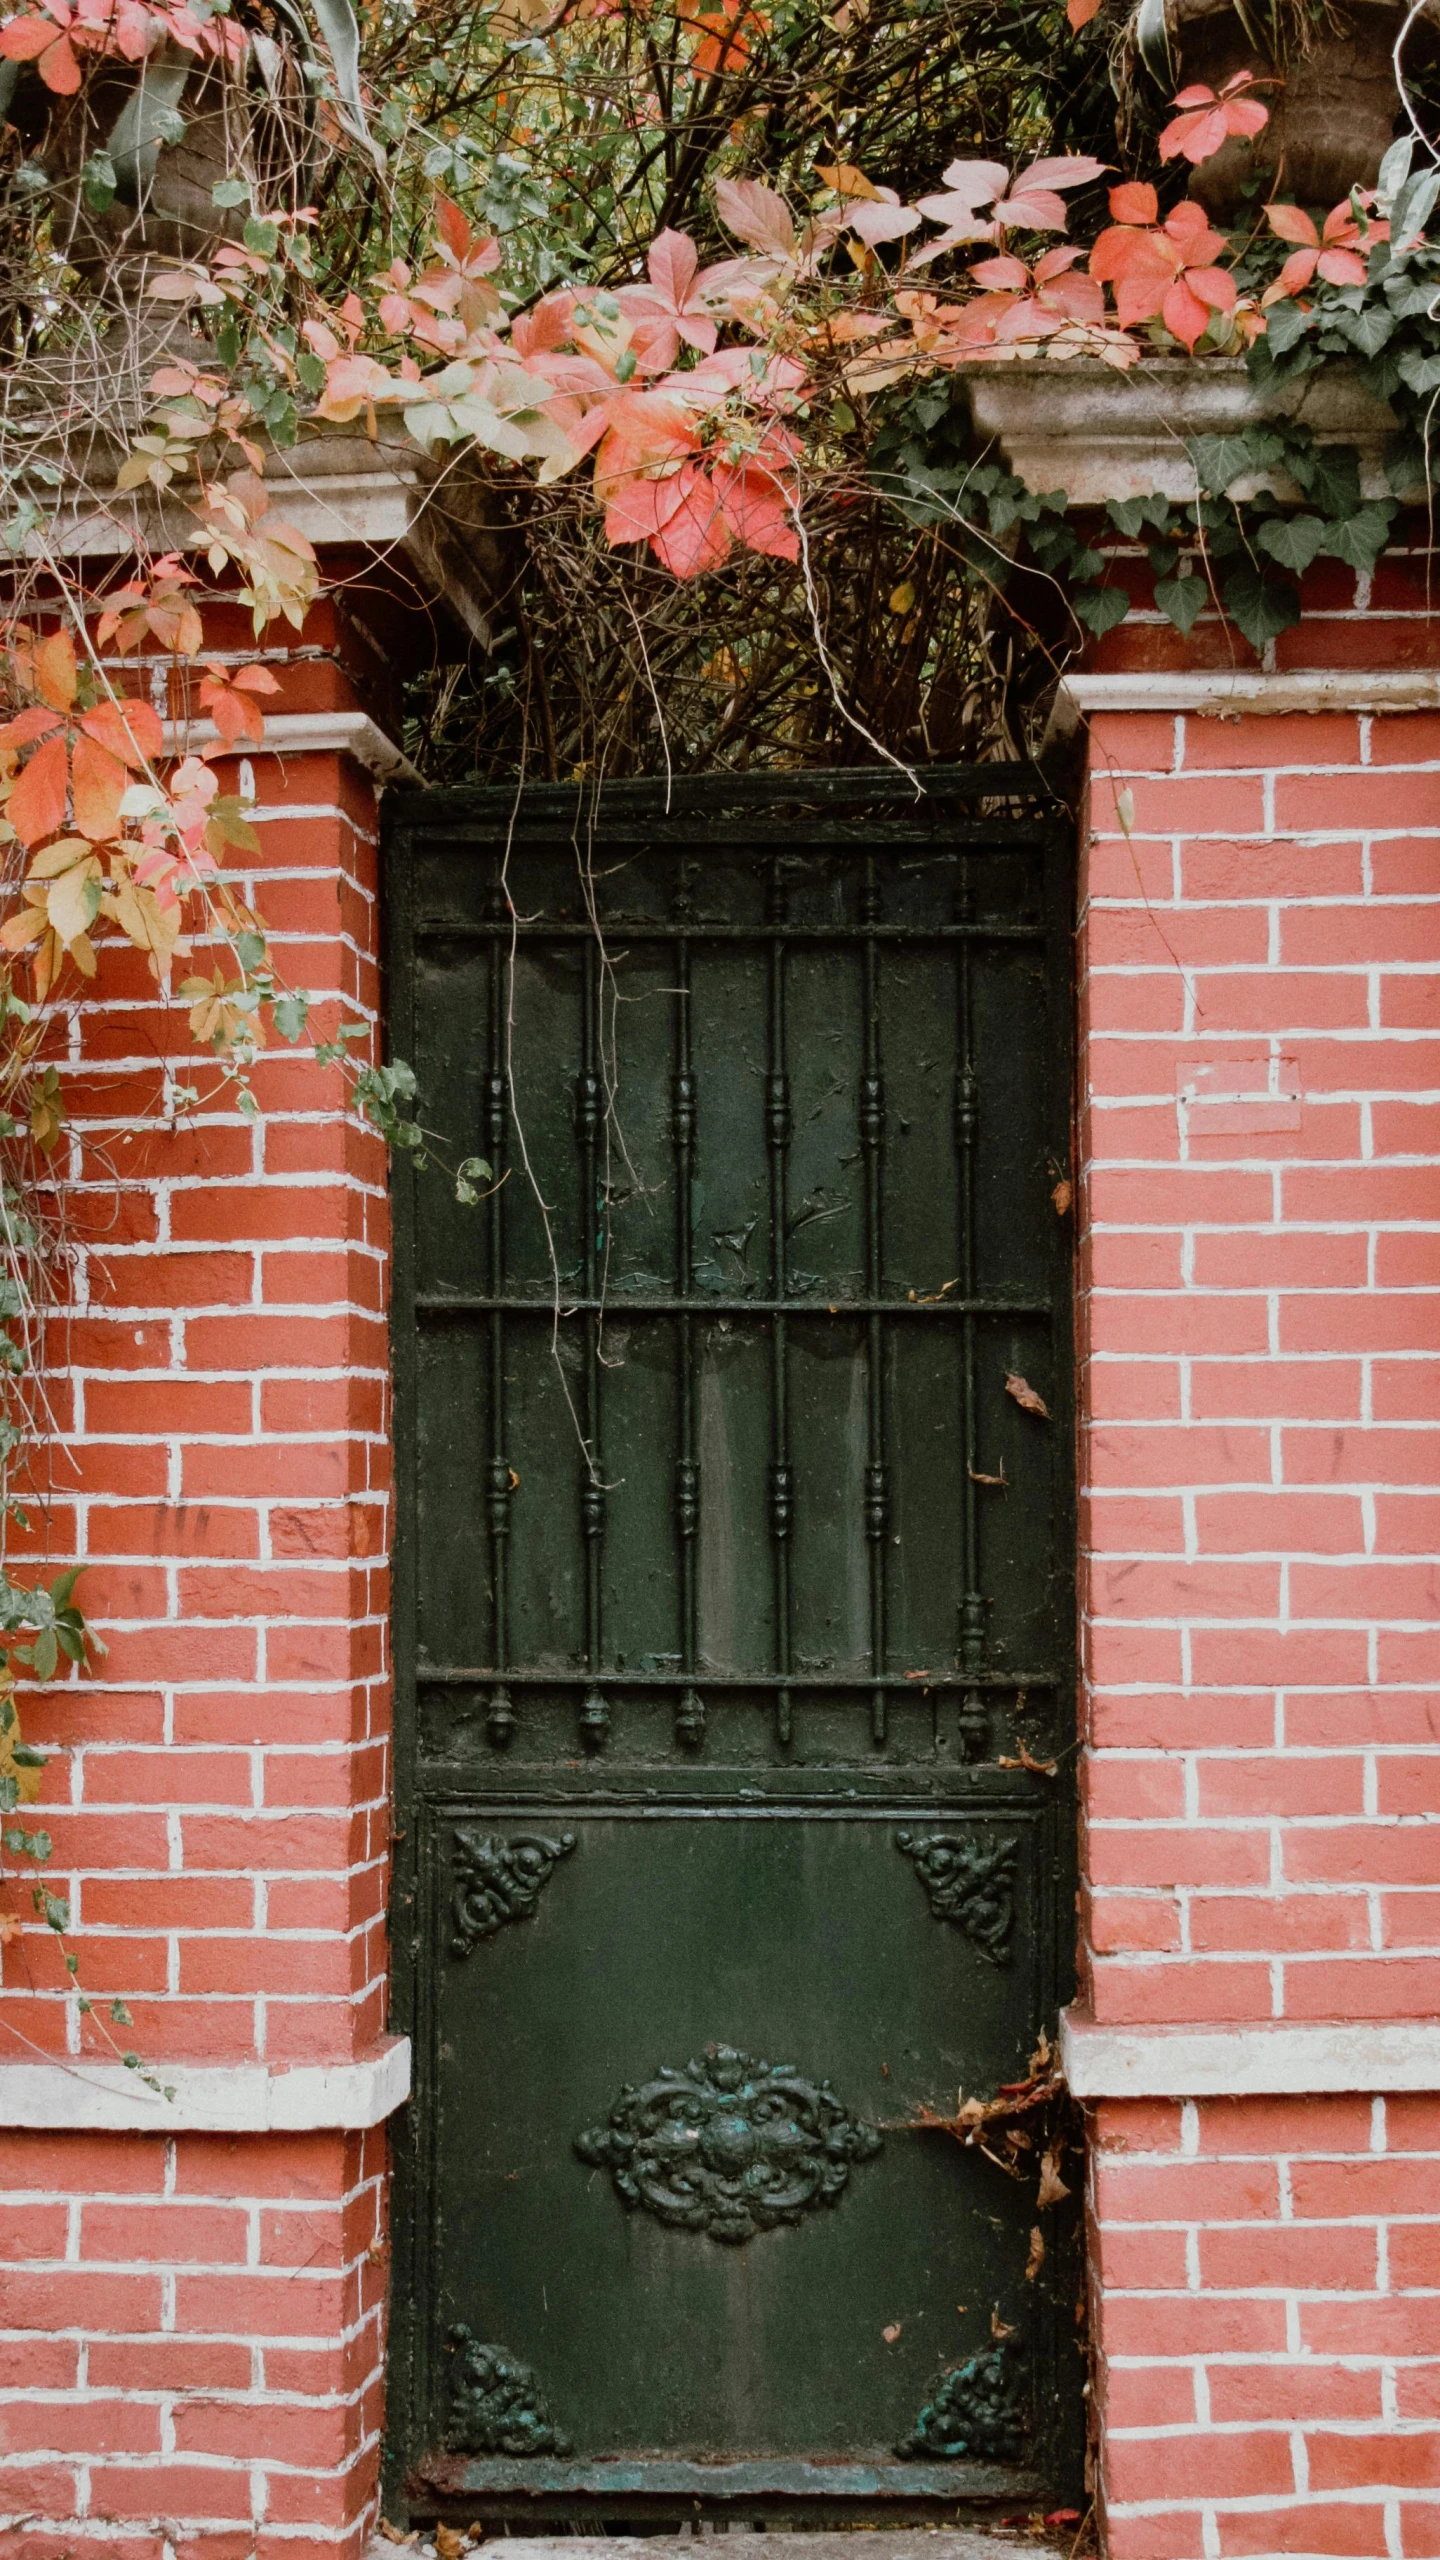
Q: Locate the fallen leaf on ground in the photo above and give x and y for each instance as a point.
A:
(1062, 1195)
(891, 2334)
(1001, 2328)
(977, 1478)
(1036, 2259)
(1024, 1394)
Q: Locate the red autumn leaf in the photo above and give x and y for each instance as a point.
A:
(754, 506)
(24, 39)
(1134, 202)
(637, 508)
(453, 228)
(696, 536)
(98, 782)
(59, 69)
(1080, 12)
(1208, 121)
(1289, 222)
(130, 730)
(228, 700)
(36, 806)
(27, 726)
(1184, 314)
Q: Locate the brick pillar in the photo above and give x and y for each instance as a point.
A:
(1260, 1022)
(192, 2297)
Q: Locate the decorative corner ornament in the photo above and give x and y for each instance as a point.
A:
(976, 2415)
(970, 1886)
(496, 2404)
(498, 1880)
(729, 2146)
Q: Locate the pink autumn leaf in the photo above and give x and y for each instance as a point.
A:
(670, 309)
(757, 215)
(881, 220)
(1071, 170)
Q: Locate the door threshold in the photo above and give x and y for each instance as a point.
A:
(901, 2542)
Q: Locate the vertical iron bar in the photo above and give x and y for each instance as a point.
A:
(872, 1133)
(500, 1715)
(777, 1126)
(594, 1713)
(690, 1710)
(974, 1719)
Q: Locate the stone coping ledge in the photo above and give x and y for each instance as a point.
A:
(1097, 433)
(345, 733)
(209, 2097)
(1194, 2061)
(1220, 691)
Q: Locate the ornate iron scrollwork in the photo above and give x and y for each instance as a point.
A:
(976, 2415)
(496, 2404)
(729, 2146)
(498, 1880)
(970, 1886)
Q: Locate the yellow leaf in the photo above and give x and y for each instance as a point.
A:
(58, 857)
(73, 902)
(902, 600)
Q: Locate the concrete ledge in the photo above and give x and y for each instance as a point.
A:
(1246, 2062)
(345, 733)
(1083, 427)
(246, 2097)
(1221, 691)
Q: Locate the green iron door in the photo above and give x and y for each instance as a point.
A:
(735, 1616)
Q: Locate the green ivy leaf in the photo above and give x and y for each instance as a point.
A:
(1293, 540)
(230, 192)
(292, 1012)
(1130, 515)
(99, 182)
(1260, 607)
(262, 237)
(1181, 600)
(1420, 373)
(1100, 608)
(1360, 539)
(1366, 331)
(1330, 475)
(1286, 326)
(1221, 460)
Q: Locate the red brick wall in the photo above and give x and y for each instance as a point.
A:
(190, 2327)
(1260, 1009)
(190, 2344)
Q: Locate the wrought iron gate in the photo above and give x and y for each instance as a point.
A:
(734, 1644)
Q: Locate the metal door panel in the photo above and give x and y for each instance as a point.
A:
(734, 1617)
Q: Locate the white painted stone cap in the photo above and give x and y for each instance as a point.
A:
(207, 2097)
(1256, 2061)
